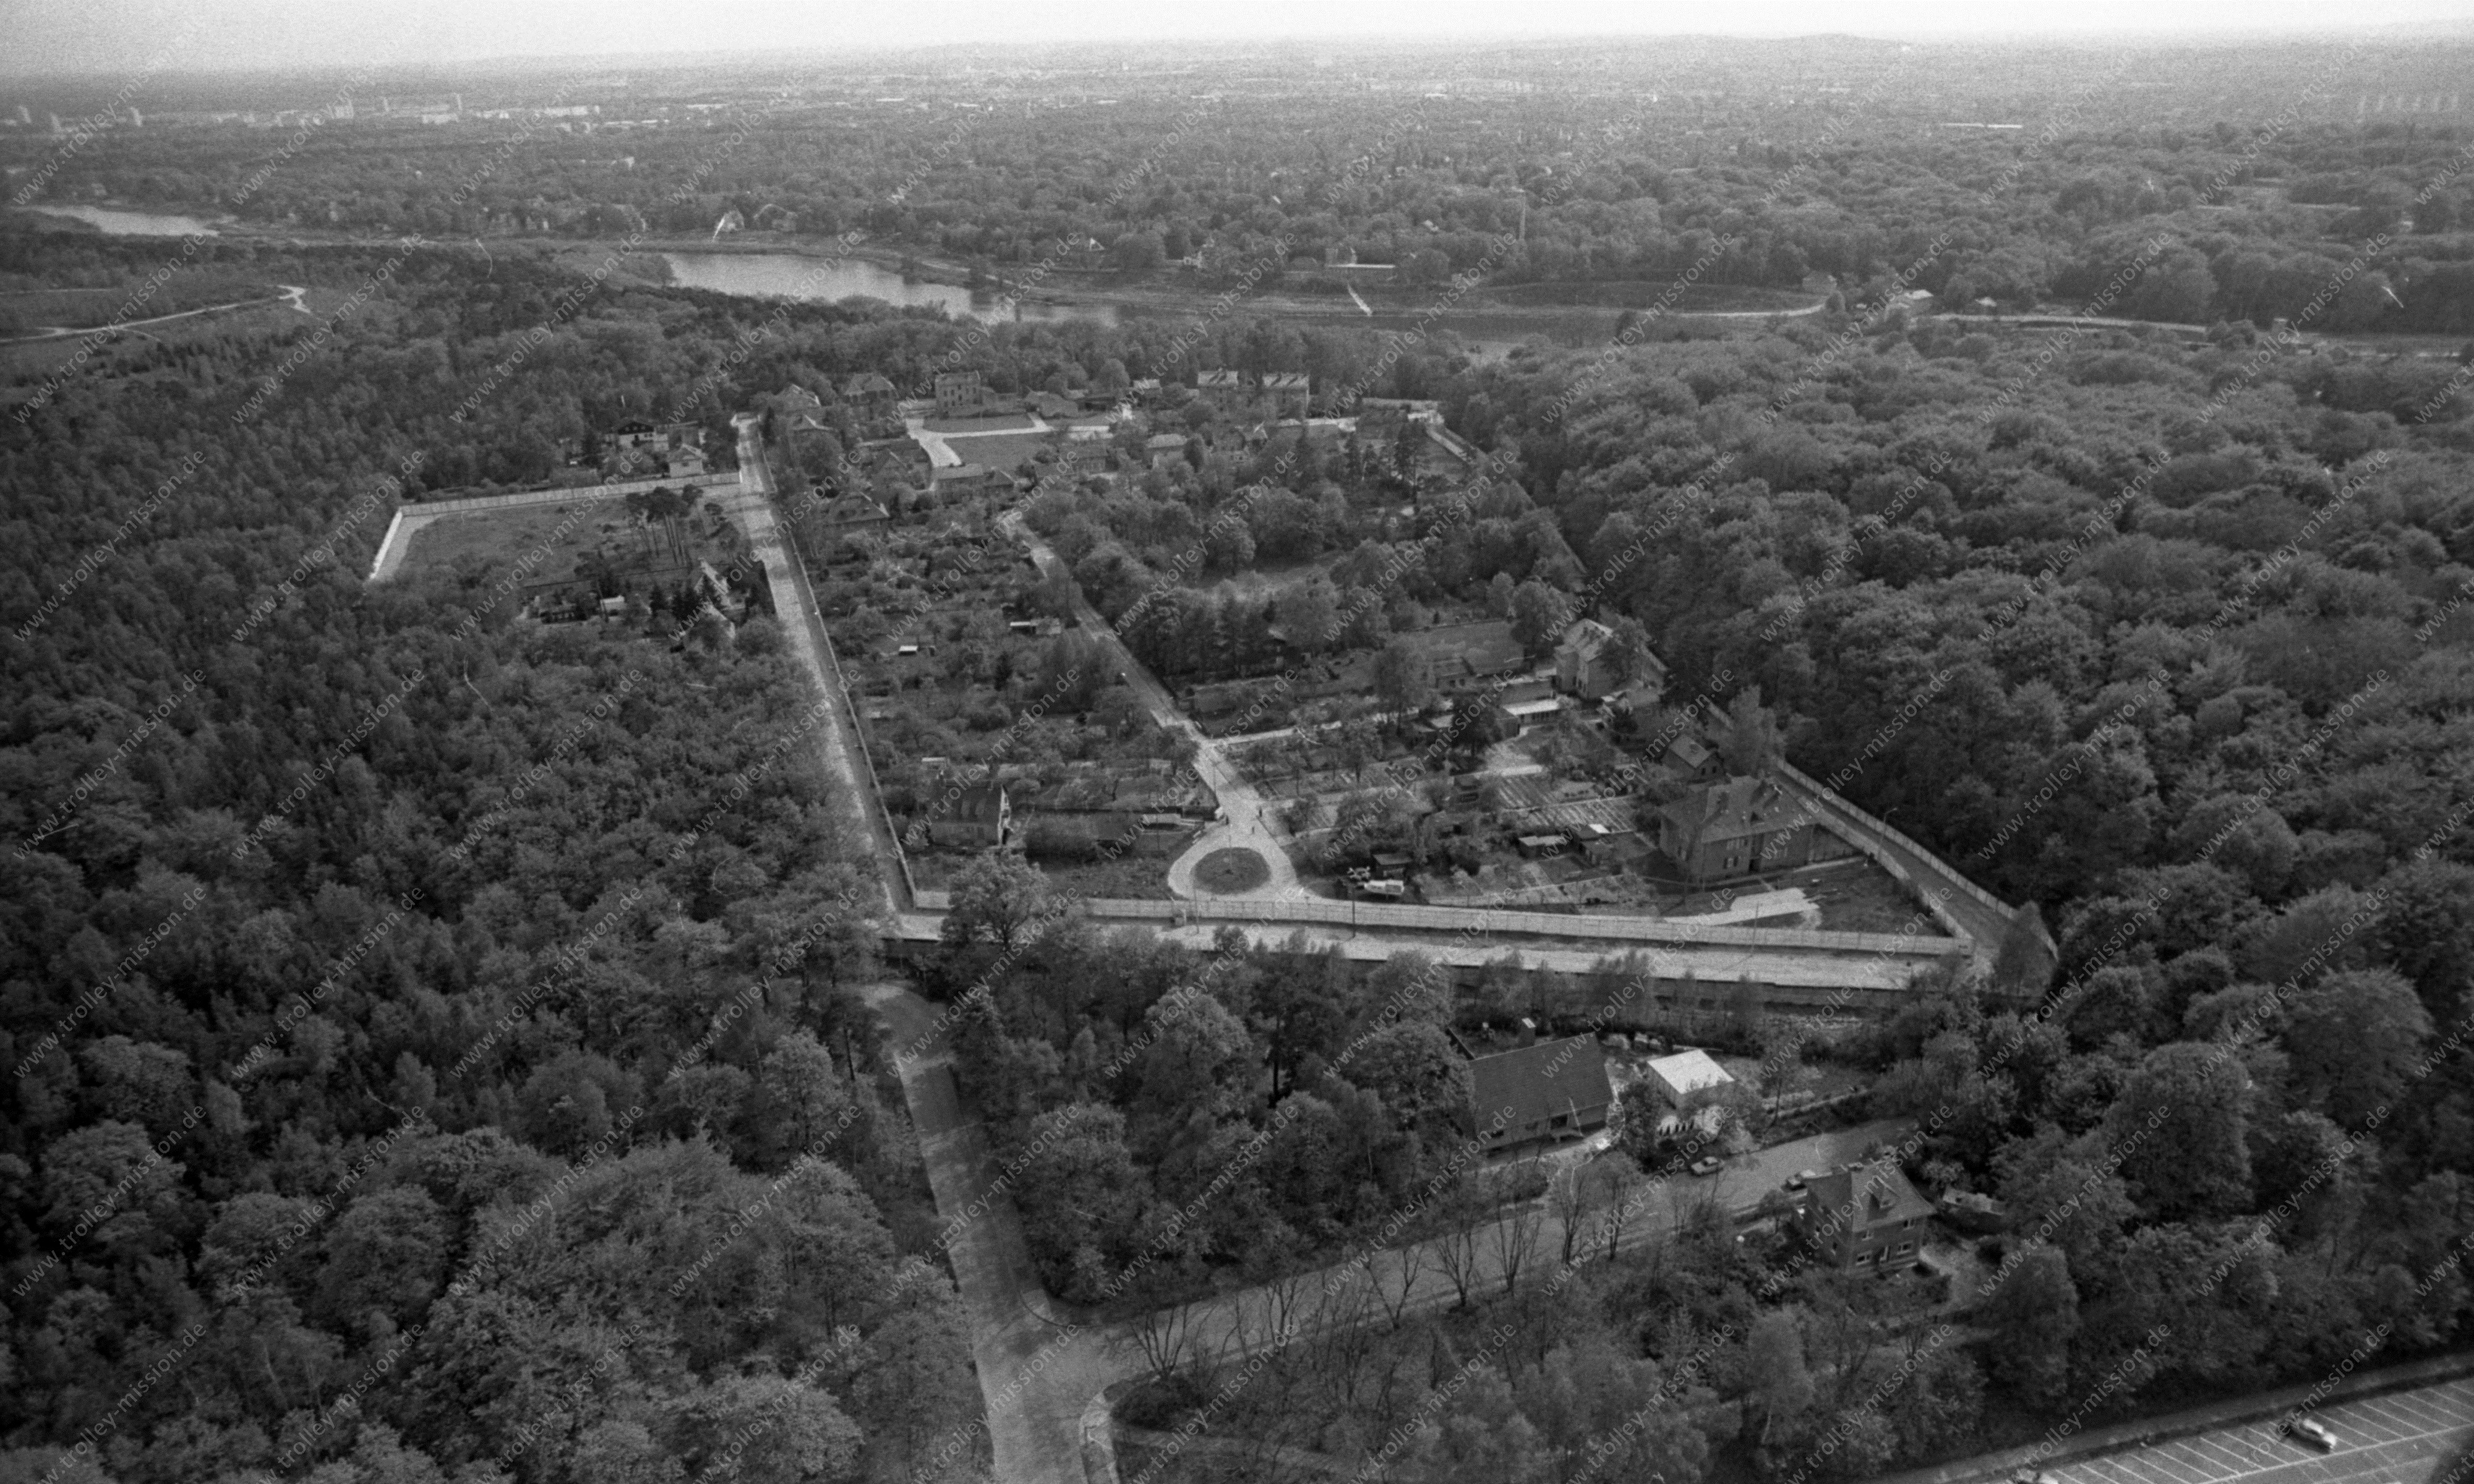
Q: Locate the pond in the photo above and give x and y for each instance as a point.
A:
(827, 280)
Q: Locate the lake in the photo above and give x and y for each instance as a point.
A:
(115, 223)
(826, 280)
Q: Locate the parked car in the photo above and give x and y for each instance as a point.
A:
(2032, 1476)
(1801, 1178)
(1707, 1164)
(2303, 1429)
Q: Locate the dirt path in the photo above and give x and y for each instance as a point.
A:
(795, 606)
(1244, 812)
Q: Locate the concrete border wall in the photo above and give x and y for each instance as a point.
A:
(1617, 931)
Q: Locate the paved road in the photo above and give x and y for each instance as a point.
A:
(2401, 1437)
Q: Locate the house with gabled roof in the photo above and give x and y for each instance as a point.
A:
(1584, 660)
(1737, 826)
(980, 818)
(1864, 1218)
(1290, 393)
(871, 396)
(1223, 387)
(1553, 1090)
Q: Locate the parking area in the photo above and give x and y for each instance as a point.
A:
(2400, 1438)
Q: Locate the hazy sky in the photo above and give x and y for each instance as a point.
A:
(108, 35)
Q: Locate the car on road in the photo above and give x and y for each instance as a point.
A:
(2304, 1430)
(1707, 1165)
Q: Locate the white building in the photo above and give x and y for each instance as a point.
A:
(1680, 1076)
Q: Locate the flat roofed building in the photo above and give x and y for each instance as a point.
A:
(1679, 1076)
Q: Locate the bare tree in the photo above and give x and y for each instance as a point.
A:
(1457, 1250)
(1284, 1304)
(1165, 1334)
(1620, 1191)
(1515, 1231)
(1571, 1195)
(1408, 1264)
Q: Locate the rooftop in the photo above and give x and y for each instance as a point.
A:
(982, 804)
(1868, 1195)
(1688, 1072)
(1536, 1083)
(1734, 809)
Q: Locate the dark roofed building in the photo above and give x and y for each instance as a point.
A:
(1553, 1089)
(960, 393)
(1585, 661)
(796, 403)
(968, 479)
(870, 396)
(980, 818)
(1736, 828)
(1864, 1216)
(1688, 755)
(1288, 393)
(1223, 387)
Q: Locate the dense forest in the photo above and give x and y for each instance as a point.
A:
(432, 1048)
(1747, 169)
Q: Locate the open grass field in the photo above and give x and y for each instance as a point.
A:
(570, 530)
(1007, 422)
(1643, 292)
(45, 358)
(28, 311)
(566, 533)
(1000, 451)
(1482, 648)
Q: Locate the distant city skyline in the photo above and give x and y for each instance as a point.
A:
(91, 37)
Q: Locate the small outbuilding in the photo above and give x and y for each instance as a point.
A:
(1680, 1076)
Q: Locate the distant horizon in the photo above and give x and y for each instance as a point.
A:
(54, 40)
